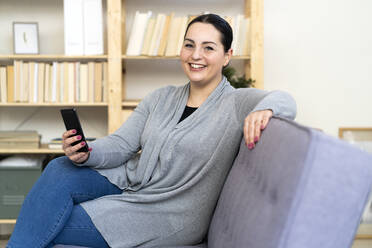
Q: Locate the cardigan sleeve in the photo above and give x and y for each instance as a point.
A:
(250, 100)
(117, 148)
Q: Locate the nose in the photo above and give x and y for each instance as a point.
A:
(196, 54)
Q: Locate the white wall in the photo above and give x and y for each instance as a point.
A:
(321, 52)
(316, 50)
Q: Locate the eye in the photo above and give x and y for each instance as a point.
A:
(209, 48)
(188, 45)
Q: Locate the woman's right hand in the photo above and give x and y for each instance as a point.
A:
(68, 138)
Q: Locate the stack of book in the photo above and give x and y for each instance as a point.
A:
(59, 82)
(162, 35)
(56, 143)
(19, 139)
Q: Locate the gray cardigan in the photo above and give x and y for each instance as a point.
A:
(171, 187)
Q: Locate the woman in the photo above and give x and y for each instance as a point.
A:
(165, 195)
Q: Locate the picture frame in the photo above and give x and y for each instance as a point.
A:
(26, 37)
(361, 137)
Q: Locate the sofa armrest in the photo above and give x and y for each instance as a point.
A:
(297, 188)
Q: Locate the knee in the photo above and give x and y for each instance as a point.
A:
(59, 166)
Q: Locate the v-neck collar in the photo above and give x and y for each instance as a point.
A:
(185, 96)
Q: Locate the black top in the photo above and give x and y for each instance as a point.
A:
(188, 111)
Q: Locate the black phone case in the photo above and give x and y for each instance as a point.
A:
(71, 120)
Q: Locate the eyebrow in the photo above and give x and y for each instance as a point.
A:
(204, 42)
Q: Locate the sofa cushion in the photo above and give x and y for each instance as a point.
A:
(297, 188)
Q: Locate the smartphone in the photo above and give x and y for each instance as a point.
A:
(71, 121)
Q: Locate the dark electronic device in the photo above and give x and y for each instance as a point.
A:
(71, 120)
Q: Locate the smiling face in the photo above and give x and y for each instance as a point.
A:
(203, 55)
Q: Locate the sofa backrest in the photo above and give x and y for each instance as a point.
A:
(298, 188)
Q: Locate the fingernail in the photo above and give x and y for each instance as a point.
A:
(82, 143)
(256, 139)
(90, 149)
(74, 131)
(78, 137)
(262, 126)
(250, 146)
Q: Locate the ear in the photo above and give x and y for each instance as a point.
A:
(228, 56)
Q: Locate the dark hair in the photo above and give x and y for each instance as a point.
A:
(220, 24)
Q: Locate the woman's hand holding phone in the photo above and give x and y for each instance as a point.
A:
(71, 151)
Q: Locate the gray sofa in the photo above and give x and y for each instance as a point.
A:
(299, 188)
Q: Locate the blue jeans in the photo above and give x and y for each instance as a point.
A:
(51, 213)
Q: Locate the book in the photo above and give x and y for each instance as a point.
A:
(62, 82)
(247, 35)
(53, 97)
(3, 88)
(93, 27)
(23, 84)
(50, 82)
(233, 27)
(238, 21)
(40, 82)
(243, 39)
(73, 27)
(91, 82)
(58, 82)
(46, 82)
(164, 36)
(130, 44)
(182, 30)
(98, 82)
(137, 33)
(77, 81)
(18, 66)
(65, 82)
(156, 36)
(171, 48)
(229, 20)
(31, 82)
(148, 35)
(10, 82)
(55, 143)
(71, 82)
(105, 82)
(36, 84)
(83, 82)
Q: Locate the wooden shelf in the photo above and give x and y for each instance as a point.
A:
(42, 150)
(52, 57)
(364, 231)
(130, 103)
(172, 57)
(26, 104)
(8, 221)
(363, 236)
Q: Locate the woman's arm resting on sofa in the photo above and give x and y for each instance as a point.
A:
(255, 107)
